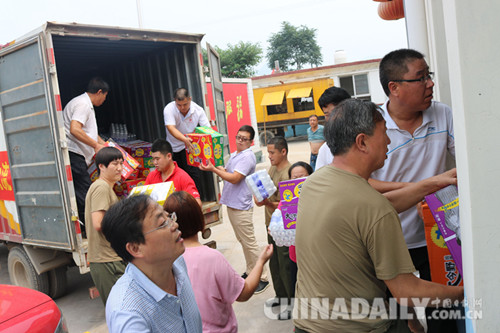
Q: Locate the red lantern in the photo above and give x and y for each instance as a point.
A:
(391, 10)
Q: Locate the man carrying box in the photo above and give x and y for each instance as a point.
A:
(238, 198)
(106, 266)
(181, 117)
(167, 170)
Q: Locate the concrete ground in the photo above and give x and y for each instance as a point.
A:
(87, 315)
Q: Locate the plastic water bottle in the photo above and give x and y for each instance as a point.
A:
(112, 133)
(261, 185)
(281, 236)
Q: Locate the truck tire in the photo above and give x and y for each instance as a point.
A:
(58, 282)
(263, 135)
(22, 273)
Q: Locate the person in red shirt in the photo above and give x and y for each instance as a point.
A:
(168, 171)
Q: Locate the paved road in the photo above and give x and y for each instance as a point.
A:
(86, 315)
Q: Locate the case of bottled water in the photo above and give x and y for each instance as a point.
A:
(281, 236)
(260, 184)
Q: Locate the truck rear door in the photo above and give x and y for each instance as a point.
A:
(28, 130)
(218, 95)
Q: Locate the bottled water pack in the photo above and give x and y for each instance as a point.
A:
(281, 236)
(260, 184)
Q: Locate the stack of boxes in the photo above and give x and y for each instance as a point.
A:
(137, 163)
(141, 152)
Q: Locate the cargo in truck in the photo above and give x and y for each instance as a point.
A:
(39, 74)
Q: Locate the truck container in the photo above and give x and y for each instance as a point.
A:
(42, 71)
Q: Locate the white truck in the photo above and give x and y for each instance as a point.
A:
(39, 73)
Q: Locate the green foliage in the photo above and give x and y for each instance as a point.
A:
(294, 47)
(239, 60)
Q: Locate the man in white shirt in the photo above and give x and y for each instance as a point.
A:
(80, 126)
(421, 133)
(181, 117)
(327, 102)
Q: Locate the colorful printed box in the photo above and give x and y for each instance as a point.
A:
(203, 150)
(129, 163)
(289, 197)
(443, 267)
(129, 185)
(145, 162)
(120, 190)
(158, 192)
(138, 148)
(444, 208)
(217, 143)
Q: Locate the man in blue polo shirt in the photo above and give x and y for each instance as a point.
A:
(238, 198)
(154, 294)
(316, 138)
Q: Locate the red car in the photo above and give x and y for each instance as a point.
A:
(27, 310)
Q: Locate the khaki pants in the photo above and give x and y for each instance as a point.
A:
(242, 222)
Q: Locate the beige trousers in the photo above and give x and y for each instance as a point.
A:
(242, 222)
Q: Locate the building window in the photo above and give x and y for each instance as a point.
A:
(303, 103)
(277, 109)
(356, 86)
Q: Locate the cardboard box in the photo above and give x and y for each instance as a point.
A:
(443, 267)
(129, 163)
(144, 172)
(158, 192)
(203, 150)
(444, 208)
(217, 143)
(92, 170)
(131, 184)
(138, 148)
(120, 190)
(289, 197)
(145, 162)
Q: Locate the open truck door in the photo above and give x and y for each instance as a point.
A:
(34, 179)
(218, 96)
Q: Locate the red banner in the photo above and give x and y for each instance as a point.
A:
(6, 190)
(237, 109)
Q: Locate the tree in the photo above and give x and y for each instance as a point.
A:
(239, 60)
(294, 47)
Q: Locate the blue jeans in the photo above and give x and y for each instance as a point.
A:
(312, 161)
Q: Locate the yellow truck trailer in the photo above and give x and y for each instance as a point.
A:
(287, 104)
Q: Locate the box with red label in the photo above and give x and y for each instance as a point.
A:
(145, 162)
(120, 190)
(203, 150)
(144, 172)
(217, 143)
(129, 163)
(130, 184)
(289, 197)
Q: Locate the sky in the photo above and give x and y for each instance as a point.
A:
(349, 25)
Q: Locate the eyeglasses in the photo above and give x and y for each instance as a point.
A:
(422, 80)
(169, 221)
(242, 138)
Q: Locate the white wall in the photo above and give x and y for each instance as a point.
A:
(472, 50)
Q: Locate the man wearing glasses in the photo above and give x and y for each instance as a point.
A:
(421, 134)
(154, 294)
(238, 198)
